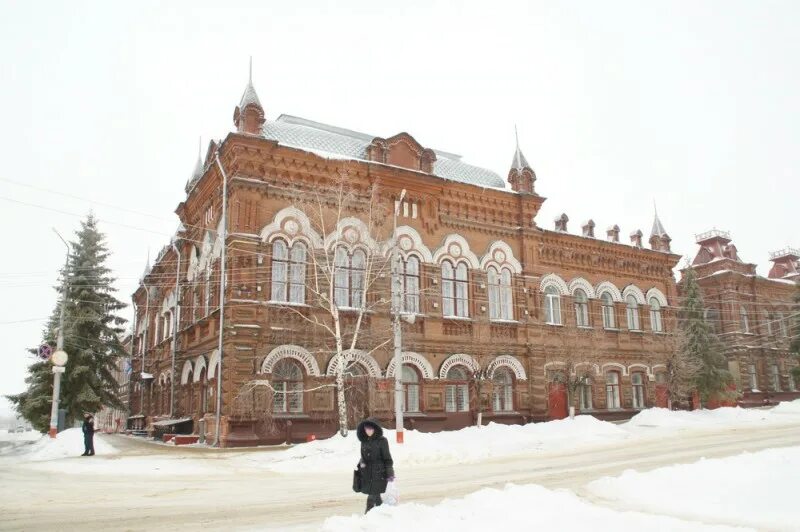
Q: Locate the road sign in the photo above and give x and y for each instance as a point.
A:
(45, 350)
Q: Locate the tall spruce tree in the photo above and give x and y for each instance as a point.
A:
(91, 338)
(699, 344)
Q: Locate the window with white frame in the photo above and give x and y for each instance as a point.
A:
(287, 383)
(503, 390)
(552, 306)
(454, 290)
(767, 323)
(500, 295)
(585, 393)
(612, 390)
(349, 278)
(655, 315)
(288, 272)
(782, 322)
(632, 312)
(410, 380)
(637, 382)
(607, 303)
(457, 389)
(775, 377)
(581, 308)
(744, 323)
(753, 374)
(409, 271)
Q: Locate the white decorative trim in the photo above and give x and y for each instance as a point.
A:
(554, 364)
(213, 364)
(199, 365)
(635, 291)
(192, 269)
(169, 302)
(614, 365)
(283, 225)
(291, 351)
(644, 366)
(409, 242)
(658, 294)
(500, 254)
(580, 282)
(186, 374)
(351, 232)
(609, 287)
(358, 356)
(165, 377)
(210, 249)
(552, 279)
(596, 367)
(659, 367)
(457, 360)
(509, 362)
(416, 360)
(455, 247)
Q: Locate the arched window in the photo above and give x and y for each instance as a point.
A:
(409, 277)
(503, 390)
(632, 312)
(637, 382)
(581, 308)
(585, 393)
(203, 384)
(775, 377)
(287, 383)
(355, 370)
(752, 373)
(500, 296)
(454, 290)
(612, 390)
(552, 306)
(410, 379)
(349, 278)
(608, 310)
(655, 315)
(457, 390)
(744, 323)
(712, 319)
(288, 272)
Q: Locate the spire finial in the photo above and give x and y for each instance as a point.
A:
(250, 76)
(516, 135)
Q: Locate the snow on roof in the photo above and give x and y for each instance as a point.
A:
(336, 142)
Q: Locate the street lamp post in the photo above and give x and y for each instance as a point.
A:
(60, 360)
(397, 328)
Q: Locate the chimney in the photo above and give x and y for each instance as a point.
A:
(588, 228)
(561, 223)
(636, 238)
(612, 233)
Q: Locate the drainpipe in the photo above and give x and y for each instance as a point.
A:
(132, 354)
(223, 236)
(144, 345)
(176, 320)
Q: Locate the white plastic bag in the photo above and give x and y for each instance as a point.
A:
(391, 496)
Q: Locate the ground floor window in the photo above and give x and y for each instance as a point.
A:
(612, 390)
(792, 384)
(287, 384)
(775, 376)
(503, 391)
(637, 381)
(457, 391)
(585, 394)
(410, 379)
(751, 371)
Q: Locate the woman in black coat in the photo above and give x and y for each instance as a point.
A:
(376, 464)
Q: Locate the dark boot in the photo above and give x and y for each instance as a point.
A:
(373, 501)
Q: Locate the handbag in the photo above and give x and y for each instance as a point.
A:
(357, 481)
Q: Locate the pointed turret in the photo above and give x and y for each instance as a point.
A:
(197, 173)
(248, 117)
(521, 176)
(659, 239)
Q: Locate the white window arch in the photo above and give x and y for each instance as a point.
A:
(581, 307)
(552, 305)
(500, 293)
(632, 312)
(455, 289)
(655, 315)
(607, 304)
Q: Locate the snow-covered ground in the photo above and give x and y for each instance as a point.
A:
(758, 490)
(67, 444)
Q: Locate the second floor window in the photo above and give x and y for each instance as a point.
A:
(581, 308)
(655, 315)
(552, 306)
(500, 300)
(632, 313)
(744, 323)
(288, 272)
(608, 310)
(454, 290)
(409, 279)
(349, 278)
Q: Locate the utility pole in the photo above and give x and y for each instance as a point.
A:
(59, 358)
(224, 236)
(396, 327)
(176, 320)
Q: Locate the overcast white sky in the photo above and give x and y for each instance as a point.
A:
(693, 104)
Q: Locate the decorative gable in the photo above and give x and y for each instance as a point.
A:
(402, 150)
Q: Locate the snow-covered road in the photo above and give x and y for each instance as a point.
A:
(229, 495)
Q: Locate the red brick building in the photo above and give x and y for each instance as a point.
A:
(751, 315)
(499, 301)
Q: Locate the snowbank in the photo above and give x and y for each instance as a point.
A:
(529, 507)
(29, 435)
(663, 418)
(66, 444)
(468, 445)
(751, 489)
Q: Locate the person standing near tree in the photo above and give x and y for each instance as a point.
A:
(88, 435)
(376, 465)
